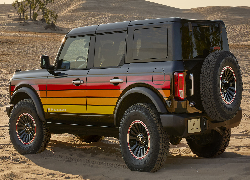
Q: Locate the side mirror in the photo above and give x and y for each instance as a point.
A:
(45, 64)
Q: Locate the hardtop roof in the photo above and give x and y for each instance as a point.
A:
(123, 25)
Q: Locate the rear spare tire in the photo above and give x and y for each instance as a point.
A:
(221, 85)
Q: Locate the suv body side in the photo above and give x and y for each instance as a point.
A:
(96, 104)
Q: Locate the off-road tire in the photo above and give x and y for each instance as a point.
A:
(213, 72)
(210, 144)
(143, 119)
(90, 138)
(24, 112)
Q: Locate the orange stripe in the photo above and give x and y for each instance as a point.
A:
(104, 93)
(41, 93)
(68, 93)
(165, 93)
(63, 100)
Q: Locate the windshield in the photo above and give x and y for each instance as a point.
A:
(74, 53)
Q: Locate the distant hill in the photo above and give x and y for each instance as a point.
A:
(76, 13)
(89, 12)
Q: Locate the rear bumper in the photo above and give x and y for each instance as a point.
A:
(180, 124)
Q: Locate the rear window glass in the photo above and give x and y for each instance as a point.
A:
(198, 42)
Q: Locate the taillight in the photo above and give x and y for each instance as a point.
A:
(179, 85)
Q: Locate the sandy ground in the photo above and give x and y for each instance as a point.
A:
(68, 158)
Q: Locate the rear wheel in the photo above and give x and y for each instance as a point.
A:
(210, 144)
(27, 132)
(144, 144)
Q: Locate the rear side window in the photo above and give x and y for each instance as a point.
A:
(150, 44)
(75, 52)
(109, 49)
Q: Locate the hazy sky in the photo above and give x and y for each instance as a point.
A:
(187, 4)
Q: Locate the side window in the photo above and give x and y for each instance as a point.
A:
(109, 49)
(75, 52)
(150, 43)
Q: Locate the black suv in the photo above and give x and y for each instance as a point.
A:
(146, 82)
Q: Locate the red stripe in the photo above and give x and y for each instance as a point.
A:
(166, 84)
(39, 87)
(167, 77)
(64, 86)
(104, 78)
(12, 88)
(106, 86)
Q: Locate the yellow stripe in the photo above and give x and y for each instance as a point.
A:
(165, 93)
(79, 109)
(101, 109)
(65, 108)
(63, 100)
(102, 101)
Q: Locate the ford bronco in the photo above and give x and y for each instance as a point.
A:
(147, 82)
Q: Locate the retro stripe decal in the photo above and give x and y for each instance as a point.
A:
(103, 93)
(41, 93)
(79, 109)
(100, 109)
(165, 93)
(100, 95)
(67, 93)
(102, 101)
(60, 87)
(84, 93)
(81, 101)
(65, 108)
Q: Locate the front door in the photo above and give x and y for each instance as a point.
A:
(66, 86)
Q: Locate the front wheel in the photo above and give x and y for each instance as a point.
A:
(210, 144)
(28, 133)
(144, 144)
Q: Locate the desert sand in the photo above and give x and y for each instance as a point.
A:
(66, 157)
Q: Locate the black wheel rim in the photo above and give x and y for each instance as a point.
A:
(227, 85)
(26, 128)
(138, 139)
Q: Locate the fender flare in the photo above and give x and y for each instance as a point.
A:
(147, 92)
(34, 98)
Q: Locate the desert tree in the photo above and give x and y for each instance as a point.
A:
(34, 6)
(21, 7)
(48, 15)
(43, 5)
(16, 5)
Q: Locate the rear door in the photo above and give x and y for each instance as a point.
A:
(107, 78)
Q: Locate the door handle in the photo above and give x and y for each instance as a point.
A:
(116, 81)
(77, 82)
